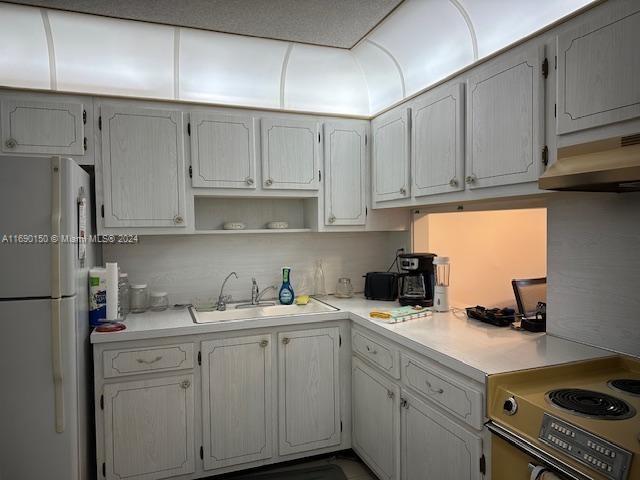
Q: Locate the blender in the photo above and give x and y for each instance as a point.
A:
(441, 288)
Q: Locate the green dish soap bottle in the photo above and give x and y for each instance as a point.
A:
(286, 295)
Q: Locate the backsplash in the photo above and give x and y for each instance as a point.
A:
(594, 269)
(196, 265)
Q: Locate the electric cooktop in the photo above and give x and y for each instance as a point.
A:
(584, 412)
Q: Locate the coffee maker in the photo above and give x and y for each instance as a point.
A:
(417, 279)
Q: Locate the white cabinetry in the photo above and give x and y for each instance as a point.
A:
(434, 446)
(505, 113)
(599, 69)
(391, 163)
(149, 428)
(290, 154)
(376, 420)
(437, 139)
(223, 150)
(46, 127)
(309, 389)
(143, 167)
(236, 400)
(345, 173)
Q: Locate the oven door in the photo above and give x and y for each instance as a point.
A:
(514, 458)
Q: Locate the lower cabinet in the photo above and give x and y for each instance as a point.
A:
(236, 401)
(309, 390)
(376, 420)
(433, 446)
(149, 428)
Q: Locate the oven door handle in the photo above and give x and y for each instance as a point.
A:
(552, 463)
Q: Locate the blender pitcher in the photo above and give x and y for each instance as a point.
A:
(441, 289)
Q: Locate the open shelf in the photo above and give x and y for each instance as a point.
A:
(211, 213)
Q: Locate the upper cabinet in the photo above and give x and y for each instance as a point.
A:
(505, 114)
(290, 154)
(345, 173)
(599, 70)
(223, 152)
(143, 170)
(42, 127)
(437, 141)
(391, 142)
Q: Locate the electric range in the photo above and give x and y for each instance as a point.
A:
(581, 420)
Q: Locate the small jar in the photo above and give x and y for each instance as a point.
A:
(139, 298)
(123, 296)
(159, 301)
(344, 289)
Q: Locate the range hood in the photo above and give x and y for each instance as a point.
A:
(611, 165)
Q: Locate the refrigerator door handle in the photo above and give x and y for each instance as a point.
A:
(56, 353)
(56, 326)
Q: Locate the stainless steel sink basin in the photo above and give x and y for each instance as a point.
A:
(233, 314)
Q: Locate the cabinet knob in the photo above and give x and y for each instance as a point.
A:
(404, 403)
(10, 143)
(332, 219)
(268, 182)
(470, 179)
(264, 343)
(249, 180)
(286, 340)
(178, 219)
(403, 191)
(453, 182)
(390, 394)
(185, 384)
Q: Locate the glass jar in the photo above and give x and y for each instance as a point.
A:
(123, 296)
(139, 298)
(344, 289)
(159, 301)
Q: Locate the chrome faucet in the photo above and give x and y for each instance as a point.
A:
(256, 296)
(222, 298)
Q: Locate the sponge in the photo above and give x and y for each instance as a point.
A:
(302, 299)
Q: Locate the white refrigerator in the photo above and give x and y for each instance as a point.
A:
(45, 425)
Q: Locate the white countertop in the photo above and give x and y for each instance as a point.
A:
(468, 346)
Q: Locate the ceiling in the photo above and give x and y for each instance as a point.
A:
(333, 23)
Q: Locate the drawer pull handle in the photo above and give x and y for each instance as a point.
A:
(434, 390)
(373, 352)
(185, 384)
(264, 343)
(390, 394)
(149, 362)
(404, 403)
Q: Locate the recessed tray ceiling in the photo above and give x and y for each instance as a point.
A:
(332, 23)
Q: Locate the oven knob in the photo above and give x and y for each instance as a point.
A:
(510, 406)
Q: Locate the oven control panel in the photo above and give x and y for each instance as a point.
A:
(609, 460)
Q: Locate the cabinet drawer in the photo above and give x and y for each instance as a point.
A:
(117, 363)
(383, 356)
(454, 395)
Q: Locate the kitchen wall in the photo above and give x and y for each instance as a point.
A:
(594, 269)
(196, 265)
(487, 250)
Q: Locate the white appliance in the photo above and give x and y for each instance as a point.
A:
(44, 327)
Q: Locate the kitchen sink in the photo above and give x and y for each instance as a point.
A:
(234, 314)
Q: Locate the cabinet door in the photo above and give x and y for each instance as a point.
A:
(599, 70)
(345, 173)
(309, 389)
(42, 127)
(143, 167)
(290, 154)
(236, 400)
(223, 151)
(435, 445)
(391, 143)
(376, 420)
(148, 428)
(437, 142)
(504, 121)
